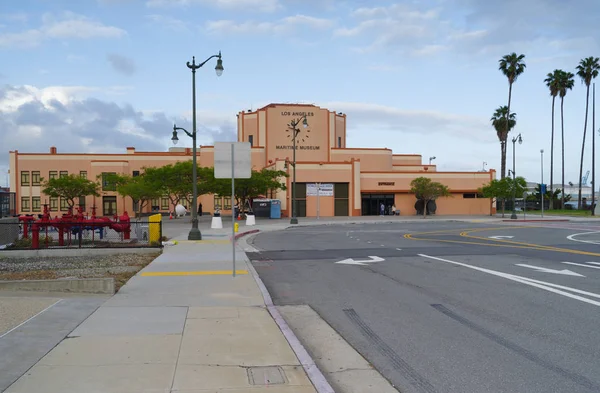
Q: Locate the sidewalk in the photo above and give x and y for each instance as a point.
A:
(183, 324)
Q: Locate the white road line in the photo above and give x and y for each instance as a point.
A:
(23, 323)
(572, 237)
(594, 263)
(582, 264)
(399, 249)
(565, 288)
(524, 280)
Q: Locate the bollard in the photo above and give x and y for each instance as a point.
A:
(236, 227)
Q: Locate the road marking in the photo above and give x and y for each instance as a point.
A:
(532, 246)
(524, 280)
(215, 241)
(351, 261)
(399, 249)
(594, 263)
(24, 322)
(546, 270)
(581, 264)
(198, 273)
(572, 237)
(500, 237)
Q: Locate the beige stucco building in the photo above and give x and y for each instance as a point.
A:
(354, 181)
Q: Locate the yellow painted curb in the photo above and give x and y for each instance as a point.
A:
(198, 273)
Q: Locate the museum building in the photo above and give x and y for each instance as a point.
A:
(331, 178)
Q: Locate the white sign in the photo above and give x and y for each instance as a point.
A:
(325, 189)
(242, 165)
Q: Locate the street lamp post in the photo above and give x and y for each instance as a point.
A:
(542, 188)
(431, 159)
(514, 193)
(293, 126)
(194, 233)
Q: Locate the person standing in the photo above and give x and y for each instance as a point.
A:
(200, 209)
(381, 209)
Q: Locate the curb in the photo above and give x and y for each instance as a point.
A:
(315, 375)
(246, 233)
(557, 220)
(72, 285)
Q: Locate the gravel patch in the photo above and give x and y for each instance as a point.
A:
(120, 266)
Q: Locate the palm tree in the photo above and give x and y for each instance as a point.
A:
(502, 128)
(552, 81)
(586, 70)
(566, 82)
(512, 66)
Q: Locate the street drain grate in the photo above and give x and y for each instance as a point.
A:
(271, 375)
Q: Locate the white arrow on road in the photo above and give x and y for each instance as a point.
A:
(546, 270)
(351, 261)
(500, 237)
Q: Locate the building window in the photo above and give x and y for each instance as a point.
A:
(35, 178)
(64, 173)
(339, 141)
(469, 195)
(106, 184)
(25, 178)
(82, 203)
(53, 204)
(164, 204)
(218, 201)
(63, 205)
(136, 173)
(25, 204)
(227, 203)
(83, 174)
(36, 204)
(251, 140)
(154, 203)
(53, 175)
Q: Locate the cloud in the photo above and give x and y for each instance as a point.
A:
(66, 26)
(121, 64)
(283, 25)
(474, 27)
(73, 120)
(419, 122)
(168, 21)
(252, 5)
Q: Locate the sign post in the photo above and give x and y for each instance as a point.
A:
(318, 202)
(233, 159)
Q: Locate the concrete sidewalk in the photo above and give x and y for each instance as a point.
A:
(183, 324)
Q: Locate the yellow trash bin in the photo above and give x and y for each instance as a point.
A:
(154, 223)
(236, 227)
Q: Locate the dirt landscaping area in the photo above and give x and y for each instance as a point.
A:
(121, 267)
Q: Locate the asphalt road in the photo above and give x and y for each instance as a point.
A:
(452, 307)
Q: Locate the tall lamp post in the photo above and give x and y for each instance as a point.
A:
(431, 159)
(514, 193)
(293, 126)
(194, 233)
(542, 188)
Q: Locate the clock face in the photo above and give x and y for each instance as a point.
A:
(302, 137)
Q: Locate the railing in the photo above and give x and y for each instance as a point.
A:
(35, 234)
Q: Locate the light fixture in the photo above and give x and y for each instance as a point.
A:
(304, 123)
(174, 138)
(219, 67)
(520, 139)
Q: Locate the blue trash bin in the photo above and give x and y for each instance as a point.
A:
(275, 208)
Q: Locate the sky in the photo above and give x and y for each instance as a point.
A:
(414, 76)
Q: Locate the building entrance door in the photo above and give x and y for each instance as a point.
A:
(371, 204)
(109, 205)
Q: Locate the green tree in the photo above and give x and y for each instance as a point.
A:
(140, 189)
(260, 183)
(511, 65)
(70, 187)
(427, 190)
(503, 188)
(551, 195)
(175, 180)
(503, 127)
(553, 82)
(587, 70)
(566, 83)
